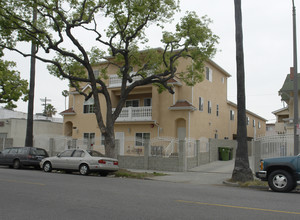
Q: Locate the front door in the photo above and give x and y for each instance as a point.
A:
(181, 133)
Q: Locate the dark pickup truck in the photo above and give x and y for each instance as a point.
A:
(282, 173)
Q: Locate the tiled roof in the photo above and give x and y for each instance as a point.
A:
(69, 111)
(182, 105)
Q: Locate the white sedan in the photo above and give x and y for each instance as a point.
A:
(84, 161)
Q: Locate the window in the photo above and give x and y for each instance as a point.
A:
(248, 120)
(89, 138)
(96, 73)
(141, 138)
(223, 80)
(217, 112)
(253, 123)
(201, 104)
(132, 103)
(102, 139)
(78, 153)
(147, 102)
(231, 115)
(259, 125)
(208, 73)
(209, 107)
(67, 153)
(88, 106)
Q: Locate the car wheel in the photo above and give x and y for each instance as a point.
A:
(281, 181)
(84, 169)
(47, 167)
(17, 164)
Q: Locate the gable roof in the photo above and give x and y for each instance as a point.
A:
(69, 111)
(287, 87)
(182, 105)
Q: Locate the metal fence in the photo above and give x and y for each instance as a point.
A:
(276, 146)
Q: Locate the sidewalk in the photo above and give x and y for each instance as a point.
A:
(212, 173)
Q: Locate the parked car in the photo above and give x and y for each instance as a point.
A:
(282, 173)
(84, 161)
(18, 157)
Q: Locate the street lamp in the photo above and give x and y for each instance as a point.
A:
(296, 117)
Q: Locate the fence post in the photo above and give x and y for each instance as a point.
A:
(256, 155)
(146, 154)
(198, 152)
(182, 156)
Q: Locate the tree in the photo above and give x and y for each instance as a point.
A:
(12, 87)
(49, 110)
(65, 94)
(117, 29)
(241, 171)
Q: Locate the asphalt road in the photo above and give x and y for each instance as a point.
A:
(31, 194)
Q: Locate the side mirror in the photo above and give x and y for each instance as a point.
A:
(58, 155)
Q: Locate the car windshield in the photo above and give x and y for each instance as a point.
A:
(94, 153)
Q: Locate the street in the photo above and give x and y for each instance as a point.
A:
(32, 194)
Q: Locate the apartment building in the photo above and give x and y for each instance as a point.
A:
(191, 112)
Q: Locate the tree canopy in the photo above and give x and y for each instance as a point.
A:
(82, 33)
(12, 87)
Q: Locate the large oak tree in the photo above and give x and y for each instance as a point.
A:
(117, 29)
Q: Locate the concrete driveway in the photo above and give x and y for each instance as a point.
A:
(212, 173)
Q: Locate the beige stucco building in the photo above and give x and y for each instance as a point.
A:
(191, 112)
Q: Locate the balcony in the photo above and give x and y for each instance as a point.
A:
(135, 114)
(116, 81)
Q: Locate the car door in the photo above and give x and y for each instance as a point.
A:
(61, 161)
(76, 159)
(3, 156)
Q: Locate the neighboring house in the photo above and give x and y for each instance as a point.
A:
(13, 126)
(282, 119)
(191, 112)
(286, 116)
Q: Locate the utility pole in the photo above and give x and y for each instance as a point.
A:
(296, 115)
(45, 100)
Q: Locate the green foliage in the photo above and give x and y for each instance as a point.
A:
(12, 87)
(116, 29)
(49, 110)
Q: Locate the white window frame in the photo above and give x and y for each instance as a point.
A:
(96, 73)
(141, 142)
(90, 138)
(201, 104)
(231, 115)
(209, 107)
(208, 73)
(90, 106)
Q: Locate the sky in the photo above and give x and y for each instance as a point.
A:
(268, 53)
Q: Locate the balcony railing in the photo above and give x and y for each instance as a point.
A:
(116, 81)
(135, 114)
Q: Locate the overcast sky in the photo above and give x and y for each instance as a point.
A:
(268, 51)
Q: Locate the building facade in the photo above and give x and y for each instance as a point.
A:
(190, 113)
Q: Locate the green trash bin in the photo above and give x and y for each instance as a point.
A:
(224, 153)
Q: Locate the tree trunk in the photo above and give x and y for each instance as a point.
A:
(110, 147)
(241, 171)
